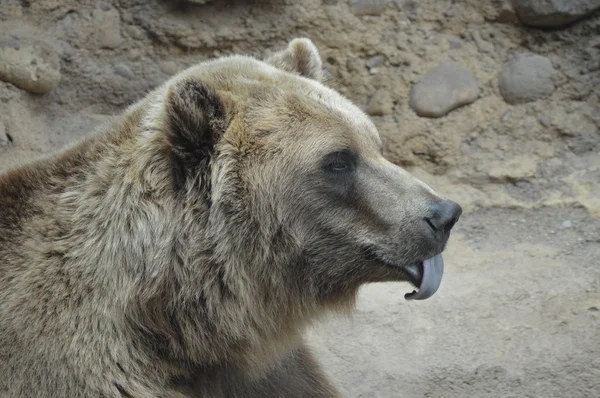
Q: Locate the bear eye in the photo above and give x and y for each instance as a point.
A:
(339, 162)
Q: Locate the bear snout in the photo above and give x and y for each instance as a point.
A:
(444, 214)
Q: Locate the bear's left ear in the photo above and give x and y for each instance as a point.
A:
(301, 57)
(196, 120)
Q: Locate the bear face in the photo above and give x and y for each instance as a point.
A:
(298, 187)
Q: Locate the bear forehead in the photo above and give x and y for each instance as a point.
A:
(273, 99)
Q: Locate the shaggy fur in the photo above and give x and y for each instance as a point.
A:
(182, 251)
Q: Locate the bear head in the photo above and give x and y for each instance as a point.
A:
(287, 204)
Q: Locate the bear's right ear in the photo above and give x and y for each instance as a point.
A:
(196, 120)
(301, 57)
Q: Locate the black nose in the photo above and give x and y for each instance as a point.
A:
(444, 214)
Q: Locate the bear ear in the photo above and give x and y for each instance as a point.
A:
(196, 120)
(301, 57)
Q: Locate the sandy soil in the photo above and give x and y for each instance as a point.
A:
(518, 313)
(517, 316)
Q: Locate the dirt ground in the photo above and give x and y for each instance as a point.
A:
(518, 313)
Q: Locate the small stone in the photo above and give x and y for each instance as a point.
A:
(443, 89)
(354, 65)
(168, 67)
(369, 7)
(456, 43)
(566, 224)
(124, 71)
(107, 28)
(553, 13)
(29, 63)
(593, 308)
(545, 120)
(375, 61)
(135, 32)
(525, 78)
(381, 103)
(373, 71)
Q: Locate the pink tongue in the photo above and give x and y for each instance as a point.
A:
(433, 269)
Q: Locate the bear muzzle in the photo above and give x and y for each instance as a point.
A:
(428, 274)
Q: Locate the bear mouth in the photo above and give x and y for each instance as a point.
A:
(430, 272)
(426, 276)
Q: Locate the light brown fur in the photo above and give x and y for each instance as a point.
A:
(182, 251)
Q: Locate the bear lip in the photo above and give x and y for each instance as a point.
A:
(414, 273)
(425, 275)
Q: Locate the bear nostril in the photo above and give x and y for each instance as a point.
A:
(428, 221)
(444, 215)
(449, 226)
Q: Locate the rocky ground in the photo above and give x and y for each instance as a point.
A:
(495, 104)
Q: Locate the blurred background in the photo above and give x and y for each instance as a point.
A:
(495, 103)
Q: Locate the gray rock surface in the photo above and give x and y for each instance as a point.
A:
(369, 7)
(443, 89)
(381, 103)
(123, 70)
(375, 61)
(526, 77)
(30, 64)
(553, 13)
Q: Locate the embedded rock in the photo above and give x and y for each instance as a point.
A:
(525, 78)
(443, 89)
(553, 13)
(28, 63)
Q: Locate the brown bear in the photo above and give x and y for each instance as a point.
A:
(182, 251)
